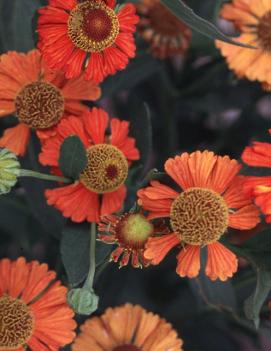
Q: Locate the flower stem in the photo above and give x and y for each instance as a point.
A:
(34, 174)
(92, 259)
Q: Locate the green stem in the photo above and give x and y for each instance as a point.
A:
(34, 174)
(92, 262)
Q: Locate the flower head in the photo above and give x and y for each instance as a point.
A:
(95, 36)
(253, 20)
(130, 232)
(127, 328)
(9, 170)
(211, 200)
(167, 35)
(100, 189)
(33, 309)
(38, 96)
(259, 155)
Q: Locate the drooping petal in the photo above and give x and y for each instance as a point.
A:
(7, 107)
(16, 139)
(221, 262)
(245, 218)
(157, 248)
(96, 69)
(79, 88)
(113, 202)
(75, 202)
(189, 261)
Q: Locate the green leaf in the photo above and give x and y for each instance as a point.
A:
(73, 157)
(186, 14)
(254, 303)
(74, 249)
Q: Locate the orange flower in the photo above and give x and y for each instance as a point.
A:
(38, 96)
(130, 232)
(93, 35)
(259, 155)
(253, 19)
(33, 309)
(167, 35)
(100, 189)
(127, 328)
(211, 201)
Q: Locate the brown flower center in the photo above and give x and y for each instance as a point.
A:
(264, 31)
(16, 323)
(93, 26)
(39, 105)
(133, 230)
(126, 348)
(106, 170)
(164, 22)
(199, 216)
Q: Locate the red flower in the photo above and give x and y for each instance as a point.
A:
(38, 96)
(93, 35)
(100, 189)
(259, 155)
(211, 200)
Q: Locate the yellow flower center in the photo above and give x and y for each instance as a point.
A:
(16, 323)
(264, 31)
(133, 230)
(93, 26)
(126, 348)
(164, 22)
(106, 170)
(39, 105)
(199, 216)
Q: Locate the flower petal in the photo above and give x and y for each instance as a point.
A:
(259, 154)
(245, 218)
(157, 248)
(221, 262)
(113, 202)
(95, 123)
(16, 139)
(189, 261)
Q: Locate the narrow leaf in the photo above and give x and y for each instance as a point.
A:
(186, 14)
(73, 158)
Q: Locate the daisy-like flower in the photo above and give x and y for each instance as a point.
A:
(127, 328)
(167, 35)
(33, 308)
(100, 189)
(211, 200)
(253, 20)
(38, 96)
(259, 155)
(130, 232)
(95, 36)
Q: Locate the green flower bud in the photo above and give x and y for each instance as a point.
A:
(9, 170)
(83, 301)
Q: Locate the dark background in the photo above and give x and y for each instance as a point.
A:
(194, 103)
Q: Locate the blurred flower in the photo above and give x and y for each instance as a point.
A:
(130, 232)
(33, 309)
(94, 35)
(38, 96)
(253, 20)
(259, 155)
(9, 171)
(167, 35)
(212, 200)
(127, 328)
(100, 189)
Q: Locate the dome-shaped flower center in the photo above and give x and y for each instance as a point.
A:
(93, 26)
(106, 170)
(126, 348)
(133, 230)
(199, 216)
(39, 105)
(16, 323)
(264, 31)
(164, 22)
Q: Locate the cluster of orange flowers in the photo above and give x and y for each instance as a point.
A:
(80, 44)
